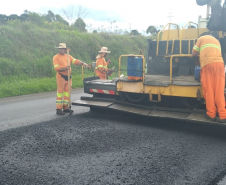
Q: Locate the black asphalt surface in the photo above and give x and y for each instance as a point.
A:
(112, 148)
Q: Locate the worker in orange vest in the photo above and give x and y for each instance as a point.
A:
(61, 67)
(212, 75)
(101, 64)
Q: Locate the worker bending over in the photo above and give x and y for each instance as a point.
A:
(212, 75)
(101, 64)
(61, 67)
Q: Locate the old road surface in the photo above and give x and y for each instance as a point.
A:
(39, 147)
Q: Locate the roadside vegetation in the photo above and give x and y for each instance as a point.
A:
(27, 47)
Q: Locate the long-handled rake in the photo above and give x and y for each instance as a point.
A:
(69, 84)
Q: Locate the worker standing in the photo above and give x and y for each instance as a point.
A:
(101, 64)
(212, 75)
(61, 67)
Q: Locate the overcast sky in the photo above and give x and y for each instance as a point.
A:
(136, 14)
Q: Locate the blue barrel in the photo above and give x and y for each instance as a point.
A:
(197, 73)
(135, 66)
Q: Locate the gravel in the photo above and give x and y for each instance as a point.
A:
(112, 148)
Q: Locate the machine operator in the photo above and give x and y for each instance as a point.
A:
(212, 75)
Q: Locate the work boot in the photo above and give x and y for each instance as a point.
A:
(209, 118)
(59, 112)
(67, 110)
(221, 120)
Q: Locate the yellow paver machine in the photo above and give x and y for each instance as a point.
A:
(164, 83)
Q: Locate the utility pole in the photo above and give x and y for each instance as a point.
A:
(111, 24)
(170, 16)
(114, 25)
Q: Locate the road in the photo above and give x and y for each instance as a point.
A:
(30, 109)
(99, 148)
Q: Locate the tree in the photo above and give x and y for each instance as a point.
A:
(13, 17)
(72, 13)
(134, 32)
(58, 18)
(81, 12)
(80, 25)
(24, 16)
(36, 18)
(50, 17)
(3, 19)
(152, 30)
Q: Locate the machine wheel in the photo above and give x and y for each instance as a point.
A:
(135, 97)
(193, 103)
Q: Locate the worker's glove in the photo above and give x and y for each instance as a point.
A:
(85, 65)
(89, 66)
(109, 61)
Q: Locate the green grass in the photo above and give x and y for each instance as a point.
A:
(35, 85)
(29, 86)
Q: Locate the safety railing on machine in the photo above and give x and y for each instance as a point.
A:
(168, 36)
(189, 36)
(180, 38)
(171, 64)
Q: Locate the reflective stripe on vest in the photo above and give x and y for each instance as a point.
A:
(56, 66)
(59, 95)
(73, 61)
(99, 66)
(66, 94)
(210, 45)
(196, 48)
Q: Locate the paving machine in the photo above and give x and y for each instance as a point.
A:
(164, 83)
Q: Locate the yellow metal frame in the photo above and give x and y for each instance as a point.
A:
(169, 26)
(132, 56)
(151, 97)
(173, 46)
(171, 90)
(82, 72)
(181, 34)
(171, 64)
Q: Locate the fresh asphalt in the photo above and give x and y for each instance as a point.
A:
(100, 148)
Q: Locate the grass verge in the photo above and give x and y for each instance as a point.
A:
(35, 85)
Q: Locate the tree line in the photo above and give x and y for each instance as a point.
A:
(40, 19)
(34, 17)
(77, 24)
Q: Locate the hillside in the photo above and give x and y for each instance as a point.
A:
(26, 52)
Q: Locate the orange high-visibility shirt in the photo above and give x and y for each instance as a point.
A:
(60, 61)
(209, 49)
(101, 66)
